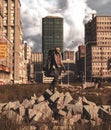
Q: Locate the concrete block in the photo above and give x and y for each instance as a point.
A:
(34, 97)
(76, 109)
(27, 128)
(32, 102)
(104, 114)
(107, 108)
(21, 111)
(38, 116)
(86, 102)
(47, 94)
(68, 98)
(10, 105)
(1, 106)
(74, 119)
(40, 99)
(55, 96)
(14, 117)
(90, 112)
(31, 113)
(62, 113)
(60, 102)
(44, 109)
(26, 103)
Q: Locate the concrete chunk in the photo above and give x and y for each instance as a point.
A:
(44, 109)
(40, 99)
(68, 98)
(86, 102)
(14, 117)
(21, 111)
(10, 105)
(90, 112)
(55, 96)
(47, 94)
(104, 114)
(62, 113)
(26, 103)
(1, 106)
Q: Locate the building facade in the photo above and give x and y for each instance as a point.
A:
(80, 58)
(1, 15)
(52, 35)
(13, 32)
(36, 67)
(98, 47)
(68, 54)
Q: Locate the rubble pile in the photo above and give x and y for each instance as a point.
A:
(53, 111)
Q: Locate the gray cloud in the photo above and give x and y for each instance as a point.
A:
(74, 12)
(101, 6)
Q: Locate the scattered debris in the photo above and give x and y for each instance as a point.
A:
(58, 108)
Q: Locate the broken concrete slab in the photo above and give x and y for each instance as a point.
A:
(74, 119)
(40, 99)
(60, 101)
(68, 98)
(38, 116)
(34, 97)
(55, 96)
(106, 107)
(10, 105)
(1, 106)
(86, 102)
(104, 114)
(14, 116)
(45, 109)
(62, 113)
(21, 111)
(90, 112)
(26, 103)
(47, 94)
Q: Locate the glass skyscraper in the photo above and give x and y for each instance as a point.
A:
(52, 35)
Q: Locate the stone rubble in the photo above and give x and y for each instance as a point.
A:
(58, 108)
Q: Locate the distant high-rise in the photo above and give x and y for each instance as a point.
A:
(13, 32)
(98, 47)
(52, 35)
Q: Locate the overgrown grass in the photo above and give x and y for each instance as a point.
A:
(21, 92)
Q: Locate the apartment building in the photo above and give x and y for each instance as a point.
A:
(80, 58)
(36, 66)
(98, 47)
(1, 15)
(13, 32)
(27, 52)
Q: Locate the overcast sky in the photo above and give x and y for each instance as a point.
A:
(74, 12)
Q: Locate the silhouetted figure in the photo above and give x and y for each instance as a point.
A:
(55, 66)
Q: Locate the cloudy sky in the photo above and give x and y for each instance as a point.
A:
(74, 12)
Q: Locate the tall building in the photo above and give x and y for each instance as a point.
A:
(1, 15)
(52, 35)
(13, 32)
(98, 47)
(5, 52)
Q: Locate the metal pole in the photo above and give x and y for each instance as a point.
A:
(85, 67)
(68, 73)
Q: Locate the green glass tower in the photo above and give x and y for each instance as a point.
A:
(52, 35)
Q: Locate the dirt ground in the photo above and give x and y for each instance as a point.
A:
(25, 91)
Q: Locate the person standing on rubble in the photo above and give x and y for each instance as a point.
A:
(56, 68)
